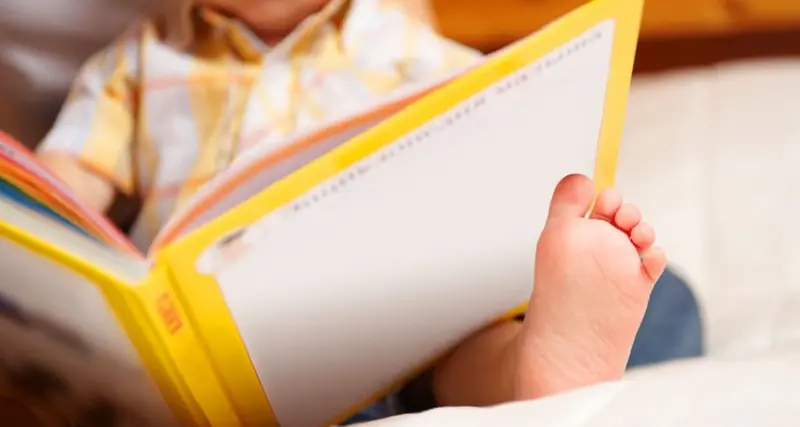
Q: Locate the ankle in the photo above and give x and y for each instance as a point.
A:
(482, 370)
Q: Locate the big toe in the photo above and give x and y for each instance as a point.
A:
(572, 197)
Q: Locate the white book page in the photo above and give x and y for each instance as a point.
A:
(57, 327)
(385, 266)
(128, 269)
(263, 179)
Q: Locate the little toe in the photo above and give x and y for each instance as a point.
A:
(572, 197)
(643, 235)
(627, 217)
(607, 205)
(654, 261)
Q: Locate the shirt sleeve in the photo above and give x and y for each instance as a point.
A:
(96, 124)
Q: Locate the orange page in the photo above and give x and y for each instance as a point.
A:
(18, 163)
(34, 188)
(28, 184)
(25, 182)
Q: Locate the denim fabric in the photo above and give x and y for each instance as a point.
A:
(672, 326)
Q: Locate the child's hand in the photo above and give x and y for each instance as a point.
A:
(89, 188)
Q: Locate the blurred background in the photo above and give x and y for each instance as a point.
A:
(674, 32)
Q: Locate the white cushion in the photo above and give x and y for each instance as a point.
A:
(711, 155)
(698, 393)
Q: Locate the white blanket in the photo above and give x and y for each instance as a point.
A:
(756, 392)
(711, 155)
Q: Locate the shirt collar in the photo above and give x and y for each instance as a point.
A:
(183, 18)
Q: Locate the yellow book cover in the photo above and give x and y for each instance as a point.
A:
(316, 275)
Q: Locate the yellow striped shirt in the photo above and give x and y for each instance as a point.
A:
(173, 101)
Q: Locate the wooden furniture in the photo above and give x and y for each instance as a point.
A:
(489, 24)
(658, 54)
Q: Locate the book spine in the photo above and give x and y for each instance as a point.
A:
(203, 310)
(131, 313)
(189, 378)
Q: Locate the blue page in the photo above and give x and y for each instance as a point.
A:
(14, 194)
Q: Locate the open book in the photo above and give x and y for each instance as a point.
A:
(319, 271)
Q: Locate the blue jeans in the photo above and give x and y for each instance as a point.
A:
(672, 326)
(671, 329)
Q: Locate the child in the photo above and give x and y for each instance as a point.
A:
(174, 100)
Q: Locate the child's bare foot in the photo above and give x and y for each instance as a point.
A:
(592, 284)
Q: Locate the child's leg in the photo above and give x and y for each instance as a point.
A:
(592, 283)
